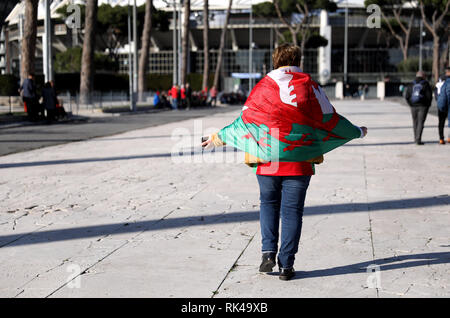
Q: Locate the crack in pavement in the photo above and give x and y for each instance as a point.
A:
(232, 266)
(122, 245)
(368, 214)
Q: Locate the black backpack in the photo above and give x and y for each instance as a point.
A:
(417, 95)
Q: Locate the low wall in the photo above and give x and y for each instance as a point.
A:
(15, 101)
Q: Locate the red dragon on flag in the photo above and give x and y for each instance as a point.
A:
(288, 118)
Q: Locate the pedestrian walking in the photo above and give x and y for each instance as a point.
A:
(285, 127)
(29, 97)
(443, 104)
(419, 96)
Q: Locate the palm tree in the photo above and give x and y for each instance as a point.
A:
(222, 45)
(185, 40)
(205, 43)
(143, 59)
(29, 38)
(87, 59)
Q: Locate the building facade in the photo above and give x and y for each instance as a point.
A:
(371, 53)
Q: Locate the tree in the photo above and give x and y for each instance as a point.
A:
(205, 43)
(267, 10)
(29, 38)
(438, 10)
(222, 45)
(69, 61)
(299, 25)
(143, 59)
(112, 29)
(399, 28)
(87, 60)
(185, 41)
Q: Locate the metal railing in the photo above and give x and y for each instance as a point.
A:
(100, 100)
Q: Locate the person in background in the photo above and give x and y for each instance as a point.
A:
(213, 93)
(443, 104)
(183, 96)
(156, 100)
(419, 96)
(50, 101)
(29, 97)
(204, 96)
(188, 96)
(175, 94)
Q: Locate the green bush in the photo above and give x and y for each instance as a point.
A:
(69, 61)
(159, 82)
(411, 65)
(9, 85)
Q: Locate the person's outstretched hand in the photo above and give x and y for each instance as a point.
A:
(364, 129)
(208, 144)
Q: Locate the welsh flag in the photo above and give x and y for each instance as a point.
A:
(288, 118)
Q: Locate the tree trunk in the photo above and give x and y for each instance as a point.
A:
(205, 43)
(185, 42)
(302, 52)
(435, 58)
(145, 50)
(87, 59)
(222, 45)
(29, 38)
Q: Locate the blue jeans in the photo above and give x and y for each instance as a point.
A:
(175, 103)
(285, 197)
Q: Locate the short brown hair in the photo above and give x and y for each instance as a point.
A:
(286, 55)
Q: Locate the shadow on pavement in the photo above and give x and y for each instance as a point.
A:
(202, 220)
(183, 152)
(385, 264)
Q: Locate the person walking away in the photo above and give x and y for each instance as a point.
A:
(188, 96)
(443, 104)
(29, 97)
(213, 94)
(49, 101)
(419, 96)
(285, 127)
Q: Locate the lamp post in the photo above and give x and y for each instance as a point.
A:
(174, 44)
(135, 57)
(420, 45)
(47, 43)
(346, 44)
(21, 24)
(180, 48)
(130, 60)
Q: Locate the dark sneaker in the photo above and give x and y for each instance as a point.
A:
(287, 273)
(268, 262)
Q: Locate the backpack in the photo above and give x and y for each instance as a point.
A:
(417, 95)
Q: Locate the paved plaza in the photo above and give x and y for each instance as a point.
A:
(146, 213)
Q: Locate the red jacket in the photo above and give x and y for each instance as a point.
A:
(174, 92)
